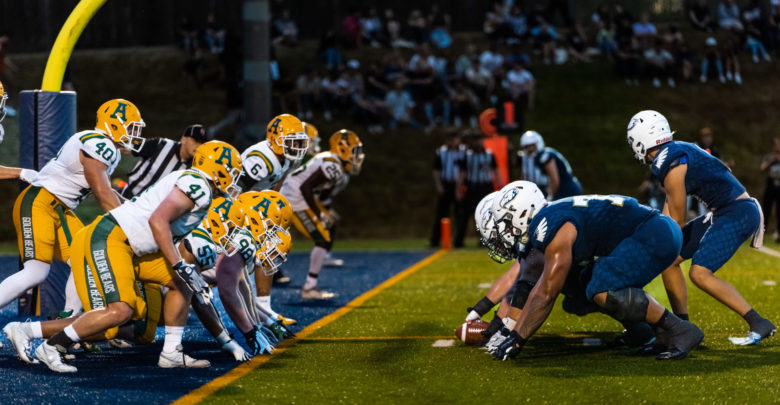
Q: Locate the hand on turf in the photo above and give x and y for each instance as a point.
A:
(236, 350)
(280, 330)
(510, 347)
(257, 342)
(496, 340)
(269, 334)
(193, 280)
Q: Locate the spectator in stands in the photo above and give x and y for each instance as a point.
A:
(286, 30)
(673, 36)
(491, 59)
(770, 165)
(330, 94)
(521, 86)
(544, 37)
(446, 179)
(711, 57)
(376, 81)
(308, 86)
(575, 45)
(605, 37)
(623, 21)
(660, 64)
(372, 28)
(188, 35)
(330, 51)
(700, 17)
(729, 16)
(517, 22)
(497, 25)
(399, 105)
(753, 13)
(706, 142)
(644, 31)
(422, 55)
(753, 43)
(463, 62)
(732, 62)
(352, 28)
(464, 104)
(367, 111)
(684, 59)
(627, 59)
(480, 80)
(214, 35)
(440, 28)
(479, 173)
(561, 7)
(417, 27)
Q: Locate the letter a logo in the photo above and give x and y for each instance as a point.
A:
(120, 110)
(226, 154)
(275, 126)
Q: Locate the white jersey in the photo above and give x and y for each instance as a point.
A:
(329, 163)
(63, 176)
(133, 216)
(261, 165)
(199, 243)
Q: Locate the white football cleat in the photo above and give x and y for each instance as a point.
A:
(52, 358)
(177, 358)
(119, 344)
(316, 294)
(20, 336)
(332, 262)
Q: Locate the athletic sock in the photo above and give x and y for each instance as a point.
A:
(753, 319)
(684, 317)
(668, 320)
(264, 302)
(172, 338)
(33, 273)
(64, 339)
(316, 259)
(495, 325)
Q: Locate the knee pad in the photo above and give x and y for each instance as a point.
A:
(522, 290)
(627, 304)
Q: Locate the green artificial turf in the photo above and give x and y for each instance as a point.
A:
(554, 367)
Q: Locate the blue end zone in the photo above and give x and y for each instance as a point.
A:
(132, 374)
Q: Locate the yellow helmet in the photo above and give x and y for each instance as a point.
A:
(274, 247)
(122, 122)
(253, 207)
(287, 137)
(314, 138)
(224, 220)
(3, 98)
(347, 146)
(221, 163)
(272, 205)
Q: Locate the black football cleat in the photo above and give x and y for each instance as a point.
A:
(683, 338)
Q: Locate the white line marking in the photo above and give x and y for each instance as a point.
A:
(443, 343)
(770, 252)
(484, 285)
(769, 282)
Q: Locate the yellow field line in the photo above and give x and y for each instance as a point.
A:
(379, 338)
(212, 386)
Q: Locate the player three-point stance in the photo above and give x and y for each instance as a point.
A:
(136, 241)
(633, 244)
(266, 165)
(561, 182)
(711, 239)
(318, 180)
(43, 213)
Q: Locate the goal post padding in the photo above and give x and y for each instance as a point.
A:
(46, 120)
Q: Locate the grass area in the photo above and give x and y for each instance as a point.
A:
(399, 365)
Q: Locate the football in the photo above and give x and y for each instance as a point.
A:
(470, 332)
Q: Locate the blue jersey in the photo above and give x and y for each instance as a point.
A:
(602, 222)
(569, 185)
(707, 178)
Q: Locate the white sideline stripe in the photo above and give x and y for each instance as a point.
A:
(769, 282)
(443, 343)
(484, 285)
(770, 252)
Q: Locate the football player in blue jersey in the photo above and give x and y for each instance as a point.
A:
(629, 245)
(561, 183)
(711, 239)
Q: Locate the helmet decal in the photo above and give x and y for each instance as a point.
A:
(226, 154)
(121, 109)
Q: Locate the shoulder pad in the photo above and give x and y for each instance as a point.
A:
(100, 148)
(196, 187)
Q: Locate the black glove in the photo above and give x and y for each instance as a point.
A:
(281, 330)
(257, 342)
(510, 347)
(194, 281)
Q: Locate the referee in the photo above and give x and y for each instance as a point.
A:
(446, 177)
(162, 156)
(479, 174)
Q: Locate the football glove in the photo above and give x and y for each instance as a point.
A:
(28, 175)
(325, 220)
(193, 280)
(236, 350)
(280, 330)
(257, 342)
(510, 347)
(496, 340)
(269, 334)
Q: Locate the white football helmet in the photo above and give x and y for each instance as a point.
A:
(646, 130)
(513, 209)
(483, 218)
(532, 138)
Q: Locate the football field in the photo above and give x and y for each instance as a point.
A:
(382, 349)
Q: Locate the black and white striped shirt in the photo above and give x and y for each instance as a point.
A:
(479, 167)
(158, 158)
(449, 161)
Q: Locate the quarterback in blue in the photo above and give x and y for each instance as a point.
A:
(711, 239)
(561, 182)
(629, 244)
